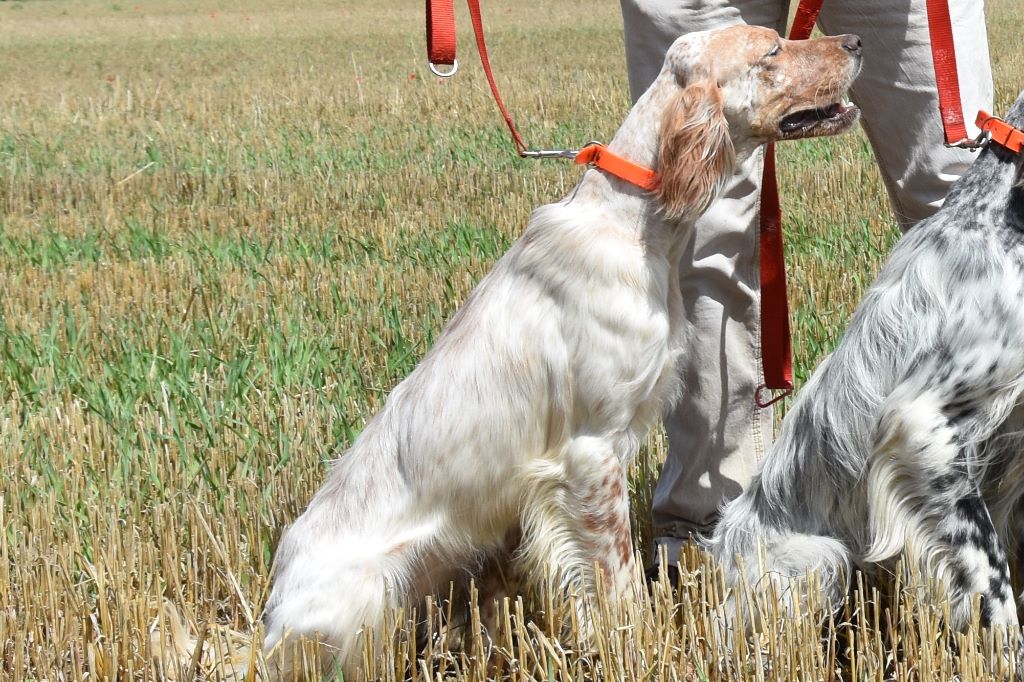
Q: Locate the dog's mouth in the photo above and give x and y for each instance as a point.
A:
(828, 120)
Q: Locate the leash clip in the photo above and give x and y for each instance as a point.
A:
(444, 74)
(558, 153)
(763, 395)
(549, 153)
(972, 144)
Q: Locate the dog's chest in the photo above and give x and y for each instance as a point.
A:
(626, 363)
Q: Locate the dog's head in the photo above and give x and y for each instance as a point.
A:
(740, 87)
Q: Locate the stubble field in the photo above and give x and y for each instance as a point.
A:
(227, 230)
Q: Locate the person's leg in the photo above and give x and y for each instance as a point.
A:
(651, 26)
(716, 433)
(897, 94)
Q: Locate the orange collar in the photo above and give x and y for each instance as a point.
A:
(1001, 132)
(597, 155)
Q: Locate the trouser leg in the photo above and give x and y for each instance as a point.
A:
(897, 94)
(716, 433)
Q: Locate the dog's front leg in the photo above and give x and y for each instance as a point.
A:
(923, 484)
(575, 518)
(602, 494)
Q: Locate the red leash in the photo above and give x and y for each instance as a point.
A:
(776, 340)
(940, 32)
(441, 50)
(441, 36)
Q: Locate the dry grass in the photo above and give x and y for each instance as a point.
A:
(227, 231)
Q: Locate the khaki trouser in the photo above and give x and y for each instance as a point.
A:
(716, 433)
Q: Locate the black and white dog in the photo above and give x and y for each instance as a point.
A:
(909, 437)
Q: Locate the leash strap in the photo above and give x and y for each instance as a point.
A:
(441, 50)
(805, 18)
(776, 342)
(441, 32)
(940, 32)
(776, 339)
(478, 30)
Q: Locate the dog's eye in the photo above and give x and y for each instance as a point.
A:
(775, 50)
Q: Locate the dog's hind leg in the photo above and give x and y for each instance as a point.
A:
(1003, 489)
(338, 589)
(766, 559)
(923, 480)
(462, 617)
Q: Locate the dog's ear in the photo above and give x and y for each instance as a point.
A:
(695, 153)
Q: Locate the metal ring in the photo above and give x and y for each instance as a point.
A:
(444, 74)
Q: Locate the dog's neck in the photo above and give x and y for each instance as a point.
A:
(997, 174)
(637, 210)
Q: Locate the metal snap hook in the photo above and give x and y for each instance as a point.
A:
(549, 153)
(973, 144)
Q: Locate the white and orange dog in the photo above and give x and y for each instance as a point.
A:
(508, 444)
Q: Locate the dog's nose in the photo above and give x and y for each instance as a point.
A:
(851, 43)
